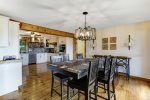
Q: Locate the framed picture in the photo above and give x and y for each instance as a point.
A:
(105, 46)
(104, 40)
(113, 46)
(113, 39)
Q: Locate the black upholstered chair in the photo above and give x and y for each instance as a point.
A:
(79, 56)
(62, 78)
(108, 78)
(86, 84)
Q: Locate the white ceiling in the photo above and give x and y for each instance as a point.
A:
(67, 15)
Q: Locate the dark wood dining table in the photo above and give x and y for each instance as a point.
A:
(74, 68)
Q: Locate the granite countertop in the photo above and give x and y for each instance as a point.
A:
(10, 61)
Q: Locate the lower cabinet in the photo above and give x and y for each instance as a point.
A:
(41, 57)
(44, 57)
(25, 58)
(10, 76)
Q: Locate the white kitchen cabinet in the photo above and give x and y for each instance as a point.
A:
(44, 57)
(25, 58)
(4, 31)
(41, 57)
(38, 58)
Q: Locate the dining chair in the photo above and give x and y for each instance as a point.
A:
(107, 79)
(87, 83)
(79, 56)
(104, 64)
(60, 77)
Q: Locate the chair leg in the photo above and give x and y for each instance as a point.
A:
(108, 91)
(90, 94)
(52, 86)
(78, 94)
(87, 95)
(68, 94)
(95, 90)
(113, 87)
(62, 89)
(104, 88)
(97, 86)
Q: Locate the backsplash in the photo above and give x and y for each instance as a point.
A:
(41, 50)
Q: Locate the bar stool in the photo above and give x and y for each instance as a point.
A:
(60, 77)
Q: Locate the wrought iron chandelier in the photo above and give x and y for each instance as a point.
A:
(86, 33)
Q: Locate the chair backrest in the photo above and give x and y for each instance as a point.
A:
(102, 59)
(107, 64)
(66, 57)
(92, 72)
(112, 69)
(79, 56)
(55, 59)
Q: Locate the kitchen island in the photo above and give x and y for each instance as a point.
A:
(10, 75)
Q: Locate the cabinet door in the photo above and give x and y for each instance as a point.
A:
(4, 31)
(25, 59)
(38, 58)
(45, 57)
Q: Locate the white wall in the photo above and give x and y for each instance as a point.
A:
(13, 48)
(69, 47)
(81, 47)
(140, 52)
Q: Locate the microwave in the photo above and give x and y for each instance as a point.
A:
(62, 48)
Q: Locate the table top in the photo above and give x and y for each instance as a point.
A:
(75, 68)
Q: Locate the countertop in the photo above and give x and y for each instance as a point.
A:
(10, 61)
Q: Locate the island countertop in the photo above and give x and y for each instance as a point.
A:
(10, 61)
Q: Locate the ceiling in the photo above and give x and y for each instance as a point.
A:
(66, 15)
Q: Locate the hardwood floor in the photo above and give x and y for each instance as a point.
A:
(37, 82)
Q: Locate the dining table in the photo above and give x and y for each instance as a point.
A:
(73, 68)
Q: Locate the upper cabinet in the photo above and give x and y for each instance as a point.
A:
(4, 30)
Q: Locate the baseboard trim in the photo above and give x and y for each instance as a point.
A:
(140, 78)
(20, 87)
(135, 77)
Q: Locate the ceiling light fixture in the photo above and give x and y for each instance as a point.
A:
(86, 33)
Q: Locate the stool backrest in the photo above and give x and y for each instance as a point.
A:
(66, 57)
(107, 64)
(79, 56)
(92, 72)
(112, 69)
(55, 59)
(102, 59)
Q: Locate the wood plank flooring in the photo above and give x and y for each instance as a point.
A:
(37, 83)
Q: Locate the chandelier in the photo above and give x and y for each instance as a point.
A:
(86, 33)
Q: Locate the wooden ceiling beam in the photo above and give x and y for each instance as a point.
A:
(40, 29)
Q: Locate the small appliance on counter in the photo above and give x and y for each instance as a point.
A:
(13, 57)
